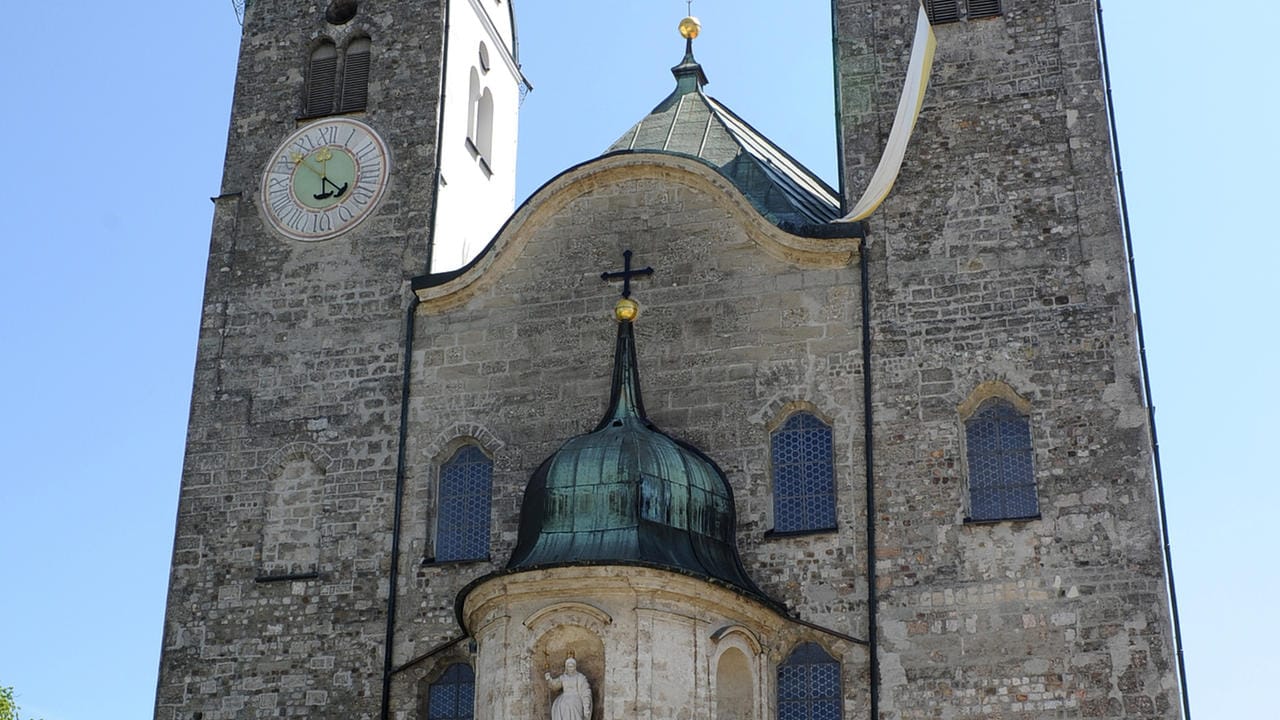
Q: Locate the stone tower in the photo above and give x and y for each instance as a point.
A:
(277, 601)
(897, 468)
(998, 274)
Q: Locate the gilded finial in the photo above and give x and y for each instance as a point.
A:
(690, 27)
(626, 310)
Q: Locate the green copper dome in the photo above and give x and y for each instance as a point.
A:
(627, 493)
(692, 124)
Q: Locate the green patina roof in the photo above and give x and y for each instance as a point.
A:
(691, 123)
(628, 493)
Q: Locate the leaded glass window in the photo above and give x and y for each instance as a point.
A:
(809, 685)
(1002, 482)
(804, 488)
(452, 696)
(462, 521)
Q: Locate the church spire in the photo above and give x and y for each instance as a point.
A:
(689, 74)
(624, 398)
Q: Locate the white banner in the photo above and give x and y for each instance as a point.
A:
(903, 122)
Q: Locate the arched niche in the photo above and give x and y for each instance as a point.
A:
(735, 686)
(560, 638)
(737, 662)
(292, 508)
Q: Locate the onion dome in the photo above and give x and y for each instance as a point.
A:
(626, 493)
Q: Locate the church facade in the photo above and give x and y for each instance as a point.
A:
(677, 442)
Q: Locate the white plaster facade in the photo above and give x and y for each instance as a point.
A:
(479, 119)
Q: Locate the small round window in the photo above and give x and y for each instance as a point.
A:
(484, 57)
(340, 12)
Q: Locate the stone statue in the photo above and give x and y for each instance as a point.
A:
(574, 701)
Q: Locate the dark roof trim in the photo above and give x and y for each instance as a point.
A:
(833, 230)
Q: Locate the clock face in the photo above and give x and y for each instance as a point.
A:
(325, 179)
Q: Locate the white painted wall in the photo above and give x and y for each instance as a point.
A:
(472, 204)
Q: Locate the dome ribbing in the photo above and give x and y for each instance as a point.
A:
(628, 493)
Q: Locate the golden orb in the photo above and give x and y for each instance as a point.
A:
(626, 310)
(690, 27)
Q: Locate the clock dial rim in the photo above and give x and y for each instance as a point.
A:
(371, 177)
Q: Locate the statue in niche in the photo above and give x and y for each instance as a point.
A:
(574, 700)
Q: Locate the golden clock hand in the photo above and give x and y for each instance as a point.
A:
(300, 159)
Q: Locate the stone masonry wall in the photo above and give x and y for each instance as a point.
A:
(728, 338)
(999, 257)
(295, 410)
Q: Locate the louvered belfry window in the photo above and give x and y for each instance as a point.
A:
(355, 76)
(462, 519)
(1002, 484)
(942, 11)
(334, 87)
(949, 11)
(322, 78)
(983, 8)
(804, 490)
(452, 696)
(809, 686)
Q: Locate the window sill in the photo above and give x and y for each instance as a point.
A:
(993, 521)
(770, 534)
(308, 117)
(292, 577)
(430, 561)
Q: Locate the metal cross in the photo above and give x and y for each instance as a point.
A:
(626, 274)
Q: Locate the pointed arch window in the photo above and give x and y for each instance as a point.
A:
(462, 518)
(452, 695)
(804, 489)
(809, 685)
(1002, 483)
(355, 76)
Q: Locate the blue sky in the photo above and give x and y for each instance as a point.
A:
(115, 116)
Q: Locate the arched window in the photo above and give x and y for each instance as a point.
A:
(473, 106)
(355, 76)
(452, 695)
(804, 488)
(809, 686)
(484, 127)
(322, 78)
(462, 517)
(1002, 483)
